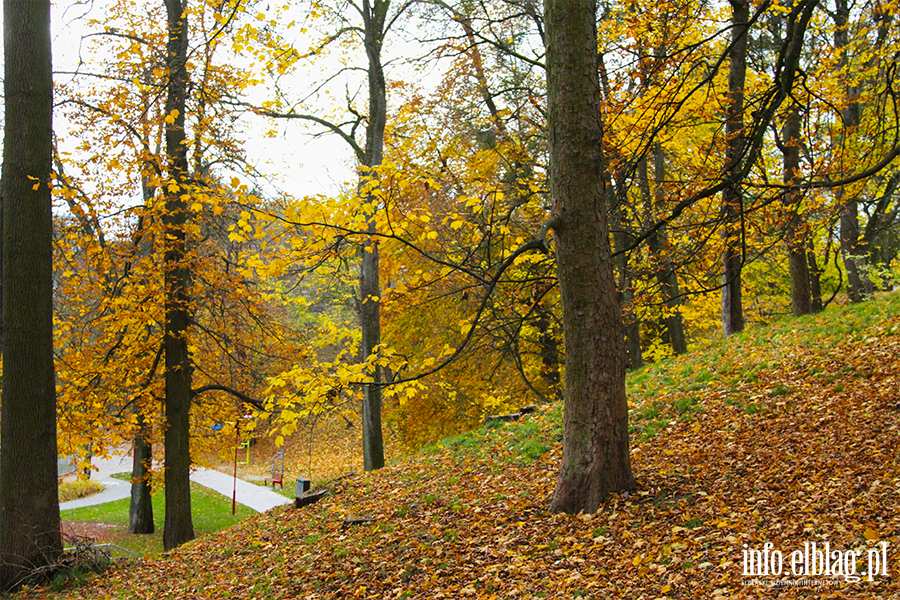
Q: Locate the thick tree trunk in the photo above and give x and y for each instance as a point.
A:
(732, 257)
(596, 459)
(29, 502)
(178, 525)
(796, 229)
(140, 512)
(374, 15)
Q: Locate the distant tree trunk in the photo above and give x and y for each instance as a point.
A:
(796, 229)
(374, 15)
(2, 273)
(815, 283)
(178, 525)
(596, 460)
(633, 357)
(546, 341)
(853, 252)
(29, 502)
(140, 512)
(665, 273)
(732, 257)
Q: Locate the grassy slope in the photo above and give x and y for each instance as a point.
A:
(784, 434)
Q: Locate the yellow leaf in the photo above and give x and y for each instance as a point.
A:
(870, 534)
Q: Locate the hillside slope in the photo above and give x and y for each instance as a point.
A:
(786, 434)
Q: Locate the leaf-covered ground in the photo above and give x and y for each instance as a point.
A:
(786, 434)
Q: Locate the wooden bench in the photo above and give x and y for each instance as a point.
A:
(278, 469)
(511, 417)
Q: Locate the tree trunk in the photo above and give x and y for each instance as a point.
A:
(374, 15)
(815, 283)
(370, 321)
(633, 357)
(853, 252)
(140, 512)
(29, 502)
(546, 341)
(732, 257)
(596, 460)
(665, 273)
(178, 525)
(796, 229)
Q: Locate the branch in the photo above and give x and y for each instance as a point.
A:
(539, 242)
(214, 387)
(265, 112)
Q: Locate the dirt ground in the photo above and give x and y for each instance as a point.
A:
(99, 532)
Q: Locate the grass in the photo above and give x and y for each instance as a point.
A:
(665, 391)
(210, 512)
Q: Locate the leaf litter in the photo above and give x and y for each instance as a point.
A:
(738, 464)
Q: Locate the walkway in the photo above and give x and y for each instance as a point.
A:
(252, 496)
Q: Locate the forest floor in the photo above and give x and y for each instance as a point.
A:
(787, 435)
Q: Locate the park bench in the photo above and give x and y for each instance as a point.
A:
(511, 417)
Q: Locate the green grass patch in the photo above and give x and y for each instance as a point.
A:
(528, 442)
(210, 512)
(683, 405)
(780, 390)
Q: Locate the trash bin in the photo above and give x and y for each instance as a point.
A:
(302, 487)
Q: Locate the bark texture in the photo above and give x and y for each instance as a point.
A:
(140, 511)
(29, 502)
(796, 229)
(733, 254)
(596, 460)
(178, 527)
(854, 251)
(374, 17)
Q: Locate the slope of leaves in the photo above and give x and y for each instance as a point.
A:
(786, 434)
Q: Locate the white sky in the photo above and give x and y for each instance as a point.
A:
(300, 163)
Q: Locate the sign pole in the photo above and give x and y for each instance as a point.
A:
(237, 446)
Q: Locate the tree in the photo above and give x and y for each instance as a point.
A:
(140, 509)
(377, 20)
(178, 527)
(796, 229)
(375, 24)
(732, 202)
(596, 460)
(29, 504)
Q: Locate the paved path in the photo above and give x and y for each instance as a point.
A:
(255, 497)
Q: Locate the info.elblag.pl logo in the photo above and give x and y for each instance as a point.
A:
(816, 559)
